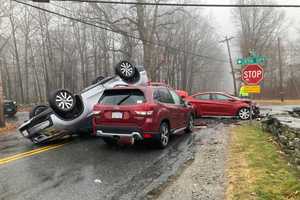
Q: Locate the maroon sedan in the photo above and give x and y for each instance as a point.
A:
(222, 104)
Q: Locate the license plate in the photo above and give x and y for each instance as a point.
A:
(25, 133)
(116, 115)
(8, 109)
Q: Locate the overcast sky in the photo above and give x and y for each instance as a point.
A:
(222, 20)
(225, 26)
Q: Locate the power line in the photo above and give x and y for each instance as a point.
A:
(118, 32)
(184, 4)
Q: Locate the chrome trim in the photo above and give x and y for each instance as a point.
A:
(133, 134)
(178, 130)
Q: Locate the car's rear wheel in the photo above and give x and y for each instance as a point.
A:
(126, 71)
(164, 135)
(37, 110)
(244, 114)
(62, 101)
(190, 124)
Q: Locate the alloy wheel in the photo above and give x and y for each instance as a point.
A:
(64, 101)
(127, 69)
(244, 114)
(191, 123)
(164, 135)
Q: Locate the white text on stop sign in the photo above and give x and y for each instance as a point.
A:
(252, 74)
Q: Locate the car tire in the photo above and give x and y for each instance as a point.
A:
(164, 135)
(244, 114)
(126, 71)
(190, 125)
(109, 141)
(37, 110)
(98, 79)
(62, 101)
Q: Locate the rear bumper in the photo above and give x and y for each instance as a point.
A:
(122, 132)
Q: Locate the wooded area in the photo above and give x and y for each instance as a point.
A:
(42, 51)
(261, 29)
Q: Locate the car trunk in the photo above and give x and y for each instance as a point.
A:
(131, 112)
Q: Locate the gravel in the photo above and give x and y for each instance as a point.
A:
(205, 178)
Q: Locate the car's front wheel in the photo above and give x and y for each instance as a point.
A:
(37, 110)
(190, 124)
(164, 135)
(244, 114)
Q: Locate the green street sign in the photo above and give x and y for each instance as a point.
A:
(252, 59)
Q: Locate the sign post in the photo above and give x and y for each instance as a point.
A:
(252, 74)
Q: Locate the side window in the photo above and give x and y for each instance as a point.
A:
(156, 95)
(203, 97)
(177, 99)
(165, 96)
(220, 97)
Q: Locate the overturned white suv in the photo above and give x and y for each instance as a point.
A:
(68, 114)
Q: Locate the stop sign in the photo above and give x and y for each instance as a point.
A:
(252, 74)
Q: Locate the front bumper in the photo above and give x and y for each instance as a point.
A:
(40, 128)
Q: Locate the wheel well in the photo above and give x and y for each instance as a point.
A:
(167, 121)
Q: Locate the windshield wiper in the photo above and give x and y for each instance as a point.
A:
(124, 99)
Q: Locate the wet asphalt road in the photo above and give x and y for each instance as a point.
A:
(86, 168)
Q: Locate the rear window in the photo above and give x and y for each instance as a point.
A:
(122, 97)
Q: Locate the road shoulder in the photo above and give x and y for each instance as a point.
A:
(205, 177)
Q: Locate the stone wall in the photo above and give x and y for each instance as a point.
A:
(286, 130)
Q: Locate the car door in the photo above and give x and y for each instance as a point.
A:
(166, 99)
(202, 103)
(182, 110)
(223, 104)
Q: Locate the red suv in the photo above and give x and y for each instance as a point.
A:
(150, 113)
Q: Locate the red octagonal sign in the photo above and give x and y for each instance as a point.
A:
(252, 74)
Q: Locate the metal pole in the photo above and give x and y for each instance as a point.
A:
(231, 63)
(280, 72)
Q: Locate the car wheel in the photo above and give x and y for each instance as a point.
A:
(126, 70)
(62, 101)
(37, 110)
(164, 136)
(98, 79)
(190, 125)
(244, 114)
(109, 141)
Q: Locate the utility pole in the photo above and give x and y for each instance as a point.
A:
(280, 72)
(2, 119)
(231, 63)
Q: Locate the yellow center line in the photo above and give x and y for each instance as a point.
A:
(29, 153)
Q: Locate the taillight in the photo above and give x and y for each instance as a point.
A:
(144, 113)
(97, 114)
(147, 135)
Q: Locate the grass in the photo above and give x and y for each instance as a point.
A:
(257, 169)
(278, 102)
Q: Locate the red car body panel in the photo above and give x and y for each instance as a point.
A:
(183, 94)
(176, 115)
(216, 107)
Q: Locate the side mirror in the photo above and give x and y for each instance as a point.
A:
(186, 104)
(232, 100)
